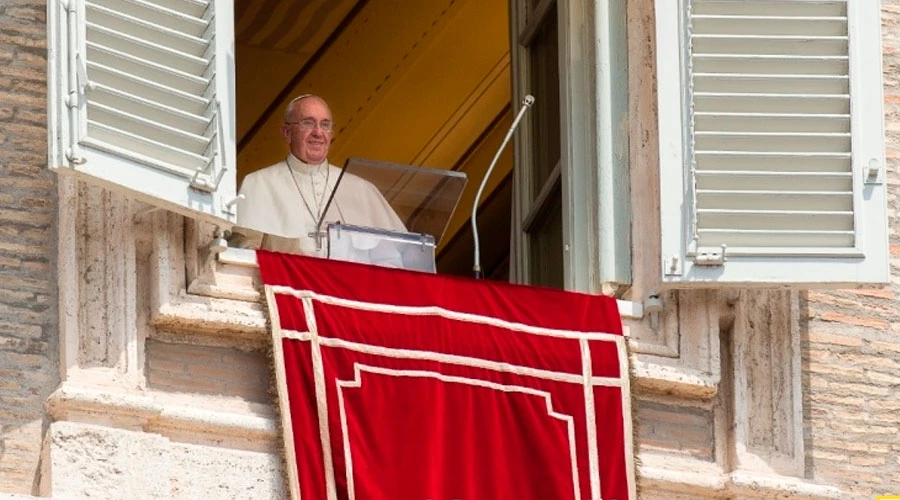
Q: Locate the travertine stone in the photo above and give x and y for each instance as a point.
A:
(767, 402)
(88, 461)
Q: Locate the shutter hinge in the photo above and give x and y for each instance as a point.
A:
(84, 83)
(708, 256)
(204, 184)
(76, 82)
(76, 98)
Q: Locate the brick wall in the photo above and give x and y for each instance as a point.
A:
(28, 301)
(851, 345)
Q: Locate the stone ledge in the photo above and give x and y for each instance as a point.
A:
(188, 312)
(237, 262)
(179, 417)
(673, 380)
(701, 479)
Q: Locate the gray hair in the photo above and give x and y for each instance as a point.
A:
(290, 105)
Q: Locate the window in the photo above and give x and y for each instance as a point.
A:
(572, 214)
(771, 125)
(770, 121)
(542, 198)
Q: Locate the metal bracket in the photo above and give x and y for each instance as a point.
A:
(652, 307)
(202, 185)
(672, 266)
(219, 243)
(710, 256)
(873, 172)
(228, 208)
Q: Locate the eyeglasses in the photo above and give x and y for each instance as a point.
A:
(309, 124)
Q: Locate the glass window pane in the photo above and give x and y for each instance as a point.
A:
(546, 244)
(544, 85)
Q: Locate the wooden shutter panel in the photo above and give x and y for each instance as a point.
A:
(777, 121)
(142, 99)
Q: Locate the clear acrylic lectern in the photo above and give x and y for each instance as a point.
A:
(423, 199)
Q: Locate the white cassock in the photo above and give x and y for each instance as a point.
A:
(282, 203)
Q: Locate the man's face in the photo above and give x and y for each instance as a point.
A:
(308, 130)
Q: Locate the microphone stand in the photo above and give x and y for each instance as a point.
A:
(526, 103)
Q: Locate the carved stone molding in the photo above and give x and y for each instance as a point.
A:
(667, 477)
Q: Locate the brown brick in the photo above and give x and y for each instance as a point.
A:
(829, 298)
(826, 397)
(892, 347)
(862, 428)
(830, 455)
(849, 372)
(857, 359)
(26, 13)
(855, 320)
(881, 293)
(835, 339)
(868, 461)
(882, 378)
(37, 215)
(854, 389)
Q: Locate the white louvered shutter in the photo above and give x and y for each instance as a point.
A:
(142, 99)
(771, 142)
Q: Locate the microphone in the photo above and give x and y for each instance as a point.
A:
(526, 103)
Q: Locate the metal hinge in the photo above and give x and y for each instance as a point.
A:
(211, 184)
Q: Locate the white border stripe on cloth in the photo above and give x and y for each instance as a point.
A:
(627, 428)
(283, 403)
(590, 417)
(548, 401)
(445, 313)
(321, 401)
(454, 359)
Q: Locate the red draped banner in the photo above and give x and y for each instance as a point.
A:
(399, 385)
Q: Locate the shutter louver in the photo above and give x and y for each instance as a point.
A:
(771, 119)
(144, 93)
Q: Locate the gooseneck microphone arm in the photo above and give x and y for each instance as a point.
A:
(526, 103)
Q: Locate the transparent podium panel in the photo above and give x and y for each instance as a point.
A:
(423, 198)
(413, 251)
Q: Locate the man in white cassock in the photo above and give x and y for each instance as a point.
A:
(282, 203)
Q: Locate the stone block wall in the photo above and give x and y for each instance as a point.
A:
(28, 203)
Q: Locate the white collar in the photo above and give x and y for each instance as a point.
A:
(301, 166)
